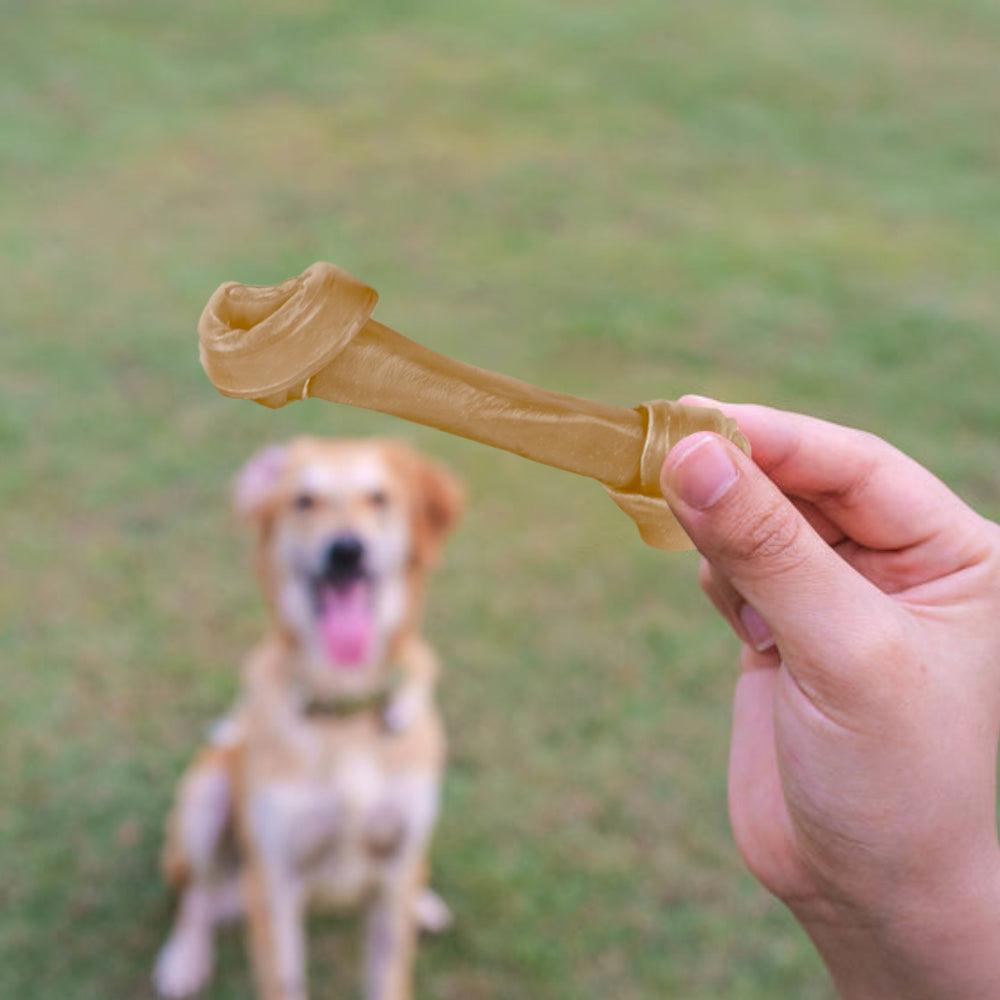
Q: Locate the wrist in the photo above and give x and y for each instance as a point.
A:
(932, 945)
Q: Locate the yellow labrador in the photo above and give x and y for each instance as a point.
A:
(321, 785)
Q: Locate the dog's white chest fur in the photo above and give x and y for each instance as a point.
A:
(336, 830)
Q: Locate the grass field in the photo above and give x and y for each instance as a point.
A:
(791, 202)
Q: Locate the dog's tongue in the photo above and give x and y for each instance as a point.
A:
(346, 624)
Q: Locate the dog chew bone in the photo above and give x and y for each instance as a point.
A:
(313, 336)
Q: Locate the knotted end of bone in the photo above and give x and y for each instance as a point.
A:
(666, 423)
(266, 342)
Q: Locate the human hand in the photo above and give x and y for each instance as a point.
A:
(862, 778)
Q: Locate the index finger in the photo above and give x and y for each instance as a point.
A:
(873, 492)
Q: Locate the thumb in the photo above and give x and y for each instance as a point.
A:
(811, 599)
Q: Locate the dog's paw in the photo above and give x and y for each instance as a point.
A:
(184, 964)
(432, 913)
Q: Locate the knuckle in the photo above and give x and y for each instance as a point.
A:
(866, 445)
(867, 441)
(771, 536)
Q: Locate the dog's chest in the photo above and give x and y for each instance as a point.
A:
(341, 818)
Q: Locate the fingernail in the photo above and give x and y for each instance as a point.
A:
(757, 628)
(700, 470)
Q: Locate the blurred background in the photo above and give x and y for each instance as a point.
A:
(790, 202)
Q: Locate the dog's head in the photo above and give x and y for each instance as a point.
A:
(345, 532)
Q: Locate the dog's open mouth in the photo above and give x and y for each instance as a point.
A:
(346, 620)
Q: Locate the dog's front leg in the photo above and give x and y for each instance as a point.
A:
(277, 935)
(274, 897)
(391, 932)
(195, 832)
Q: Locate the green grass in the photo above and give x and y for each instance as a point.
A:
(789, 202)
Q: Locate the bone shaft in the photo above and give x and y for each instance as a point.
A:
(390, 373)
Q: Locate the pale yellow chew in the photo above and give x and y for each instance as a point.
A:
(313, 336)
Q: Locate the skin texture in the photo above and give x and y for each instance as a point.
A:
(862, 786)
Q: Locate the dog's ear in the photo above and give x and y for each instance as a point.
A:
(440, 500)
(437, 500)
(255, 483)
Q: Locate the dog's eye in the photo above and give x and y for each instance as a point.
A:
(304, 501)
(378, 498)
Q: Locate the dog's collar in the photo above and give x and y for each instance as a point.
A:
(347, 705)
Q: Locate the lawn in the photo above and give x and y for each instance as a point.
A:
(791, 202)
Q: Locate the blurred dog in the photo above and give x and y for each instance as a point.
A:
(321, 785)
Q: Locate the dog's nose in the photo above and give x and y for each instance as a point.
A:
(344, 556)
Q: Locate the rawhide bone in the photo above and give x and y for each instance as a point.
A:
(313, 335)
